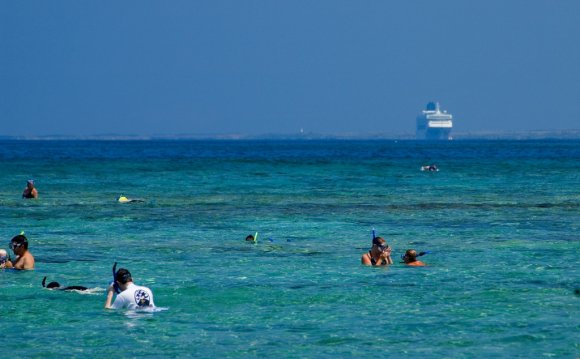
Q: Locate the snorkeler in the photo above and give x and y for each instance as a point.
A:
(56, 286)
(410, 258)
(123, 199)
(132, 296)
(30, 191)
(250, 238)
(24, 259)
(3, 258)
(379, 255)
(429, 168)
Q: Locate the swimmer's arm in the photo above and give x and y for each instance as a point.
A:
(110, 293)
(35, 193)
(365, 260)
(386, 257)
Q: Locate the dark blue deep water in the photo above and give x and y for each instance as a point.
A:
(501, 219)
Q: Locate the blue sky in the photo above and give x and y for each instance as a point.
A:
(255, 67)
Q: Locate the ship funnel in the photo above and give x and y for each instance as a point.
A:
(431, 106)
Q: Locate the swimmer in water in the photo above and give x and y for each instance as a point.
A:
(123, 199)
(410, 258)
(30, 191)
(56, 286)
(131, 297)
(250, 238)
(3, 258)
(379, 255)
(24, 259)
(430, 168)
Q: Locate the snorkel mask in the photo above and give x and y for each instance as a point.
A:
(382, 247)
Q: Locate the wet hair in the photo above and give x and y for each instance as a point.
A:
(53, 285)
(379, 241)
(21, 241)
(123, 276)
(250, 237)
(50, 285)
(411, 255)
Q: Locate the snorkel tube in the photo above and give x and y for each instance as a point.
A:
(44, 282)
(374, 235)
(256, 238)
(115, 285)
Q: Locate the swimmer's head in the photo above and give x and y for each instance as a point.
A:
(380, 244)
(250, 238)
(123, 276)
(3, 255)
(378, 241)
(410, 256)
(30, 182)
(53, 285)
(19, 241)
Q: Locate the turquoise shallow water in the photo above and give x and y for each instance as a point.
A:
(500, 218)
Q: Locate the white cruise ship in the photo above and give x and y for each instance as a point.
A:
(432, 124)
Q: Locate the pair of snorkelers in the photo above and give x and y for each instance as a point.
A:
(380, 255)
(129, 295)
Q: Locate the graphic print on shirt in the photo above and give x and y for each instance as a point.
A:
(142, 298)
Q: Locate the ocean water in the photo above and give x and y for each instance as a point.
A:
(501, 219)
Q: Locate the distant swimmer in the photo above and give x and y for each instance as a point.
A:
(123, 199)
(24, 259)
(57, 286)
(30, 191)
(379, 255)
(410, 258)
(429, 168)
(131, 297)
(252, 238)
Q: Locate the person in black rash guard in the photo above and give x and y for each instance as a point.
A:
(56, 286)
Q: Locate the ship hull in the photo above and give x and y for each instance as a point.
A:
(434, 134)
(433, 124)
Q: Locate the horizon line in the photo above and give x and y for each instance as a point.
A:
(466, 135)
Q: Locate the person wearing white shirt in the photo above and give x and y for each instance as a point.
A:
(131, 297)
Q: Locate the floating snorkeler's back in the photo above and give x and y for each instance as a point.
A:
(123, 199)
